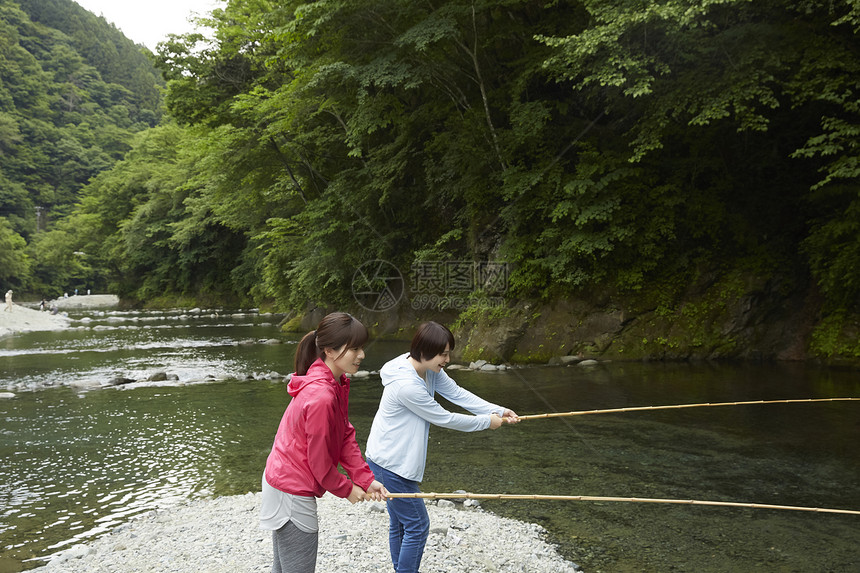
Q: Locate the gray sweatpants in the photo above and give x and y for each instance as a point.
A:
(295, 551)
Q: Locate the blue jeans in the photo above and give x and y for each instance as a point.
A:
(409, 522)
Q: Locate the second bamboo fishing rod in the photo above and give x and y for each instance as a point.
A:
(539, 497)
(679, 406)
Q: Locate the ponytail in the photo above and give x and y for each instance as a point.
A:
(335, 330)
(306, 353)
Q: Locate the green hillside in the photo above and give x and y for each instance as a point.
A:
(73, 93)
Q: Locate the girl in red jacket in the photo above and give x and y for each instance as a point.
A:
(314, 437)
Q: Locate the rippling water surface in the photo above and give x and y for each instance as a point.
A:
(79, 460)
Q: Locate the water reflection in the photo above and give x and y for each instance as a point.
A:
(83, 466)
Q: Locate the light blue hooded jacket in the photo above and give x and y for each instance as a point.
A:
(398, 436)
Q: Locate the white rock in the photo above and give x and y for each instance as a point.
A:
(85, 384)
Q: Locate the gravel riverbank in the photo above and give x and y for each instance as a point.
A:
(23, 319)
(86, 302)
(223, 536)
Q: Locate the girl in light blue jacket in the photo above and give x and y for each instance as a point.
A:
(397, 446)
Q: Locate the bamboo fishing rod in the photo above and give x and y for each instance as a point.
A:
(678, 406)
(503, 496)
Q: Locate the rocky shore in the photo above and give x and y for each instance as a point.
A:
(26, 318)
(23, 319)
(223, 536)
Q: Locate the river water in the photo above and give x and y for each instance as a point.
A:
(78, 461)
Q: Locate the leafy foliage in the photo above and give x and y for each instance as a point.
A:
(14, 262)
(593, 143)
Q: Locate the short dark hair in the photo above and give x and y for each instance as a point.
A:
(430, 340)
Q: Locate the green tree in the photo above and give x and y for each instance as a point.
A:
(390, 121)
(58, 265)
(148, 223)
(711, 101)
(15, 265)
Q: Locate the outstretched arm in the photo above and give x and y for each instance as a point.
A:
(423, 405)
(447, 387)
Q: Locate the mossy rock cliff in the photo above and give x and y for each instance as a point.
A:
(738, 316)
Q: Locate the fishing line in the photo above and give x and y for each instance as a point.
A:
(570, 426)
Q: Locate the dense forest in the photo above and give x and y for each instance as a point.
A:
(606, 146)
(73, 93)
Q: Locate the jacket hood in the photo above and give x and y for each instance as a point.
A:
(317, 372)
(397, 369)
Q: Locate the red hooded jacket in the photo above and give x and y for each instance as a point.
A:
(314, 437)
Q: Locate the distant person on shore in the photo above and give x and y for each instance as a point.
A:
(8, 301)
(43, 304)
(314, 436)
(397, 446)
